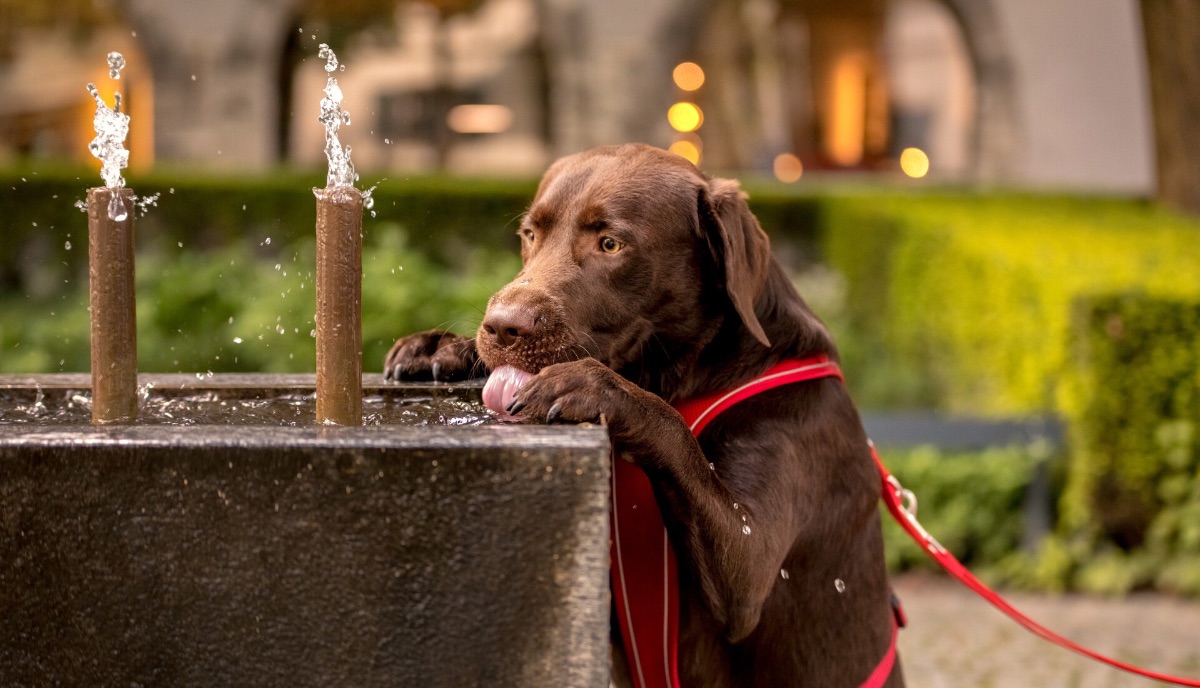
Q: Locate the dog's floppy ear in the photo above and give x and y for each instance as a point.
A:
(740, 246)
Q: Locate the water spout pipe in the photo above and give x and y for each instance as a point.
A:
(339, 306)
(111, 288)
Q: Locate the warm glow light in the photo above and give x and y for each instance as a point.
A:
(687, 150)
(844, 141)
(685, 117)
(914, 162)
(788, 168)
(479, 119)
(688, 76)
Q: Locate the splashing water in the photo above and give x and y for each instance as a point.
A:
(341, 170)
(112, 127)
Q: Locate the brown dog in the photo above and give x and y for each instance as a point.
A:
(645, 283)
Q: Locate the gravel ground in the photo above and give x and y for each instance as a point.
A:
(955, 639)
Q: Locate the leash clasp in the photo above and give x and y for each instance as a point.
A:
(908, 505)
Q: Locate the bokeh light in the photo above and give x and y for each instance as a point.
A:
(914, 162)
(479, 119)
(687, 150)
(688, 76)
(685, 116)
(788, 168)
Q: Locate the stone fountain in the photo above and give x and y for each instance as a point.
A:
(215, 533)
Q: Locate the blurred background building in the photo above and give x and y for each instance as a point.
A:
(1010, 92)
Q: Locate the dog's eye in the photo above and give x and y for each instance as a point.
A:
(527, 235)
(610, 245)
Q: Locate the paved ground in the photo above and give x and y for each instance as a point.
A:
(954, 639)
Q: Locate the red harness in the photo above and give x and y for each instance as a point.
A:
(643, 563)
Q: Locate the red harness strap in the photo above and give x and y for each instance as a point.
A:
(643, 562)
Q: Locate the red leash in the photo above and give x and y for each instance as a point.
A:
(895, 496)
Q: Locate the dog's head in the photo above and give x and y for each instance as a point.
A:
(633, 257)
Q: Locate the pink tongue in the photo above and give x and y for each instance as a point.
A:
(501, 386)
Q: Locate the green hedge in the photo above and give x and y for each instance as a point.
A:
(1131, 505)
(969, 296)
(972, 502)
(443, 218)
(249, 306)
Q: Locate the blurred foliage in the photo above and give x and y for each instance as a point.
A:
(1002, 305)
(249, 306)
(1131, 504)
(972, 502)
(967, 299)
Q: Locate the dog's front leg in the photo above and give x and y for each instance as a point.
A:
(724, 542)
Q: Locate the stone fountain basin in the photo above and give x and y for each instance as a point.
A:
(294, 556)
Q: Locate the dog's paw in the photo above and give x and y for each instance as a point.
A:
(433, 355)
(579, 391)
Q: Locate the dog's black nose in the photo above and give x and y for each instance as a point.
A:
(509, 323)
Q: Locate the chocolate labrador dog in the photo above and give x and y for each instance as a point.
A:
(645, 283)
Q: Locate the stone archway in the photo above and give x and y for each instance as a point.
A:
(996, 135)
(612, 64)
(214, 66)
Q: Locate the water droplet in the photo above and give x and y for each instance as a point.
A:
(712, 466)
(839, 585)
(735, 505)
(67, 246)
(267, 241)
(745, 530)
(783, 573)
(116, 209)
(116, 62)
(387, 141)
(237, 340)
(82, 206)
(193, 77)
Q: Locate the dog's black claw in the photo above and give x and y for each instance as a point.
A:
(436, 369)
(515, 407)
(554, 413)
(387, 374)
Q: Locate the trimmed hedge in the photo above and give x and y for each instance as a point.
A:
(972, 295)
(1131, 505)
(443, 218)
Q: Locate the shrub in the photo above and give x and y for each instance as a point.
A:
(249, 307)
(1133, 485)
(972, 502)
(975, 292)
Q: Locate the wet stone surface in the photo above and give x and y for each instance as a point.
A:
(207, 399)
